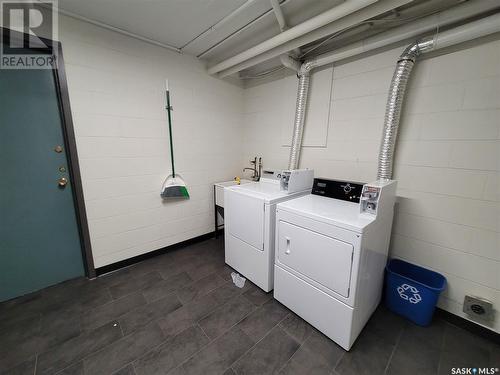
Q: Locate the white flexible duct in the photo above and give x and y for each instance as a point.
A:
(402, 74)
(304, 74)
(473, 30)
(397, 92)
(314, 23)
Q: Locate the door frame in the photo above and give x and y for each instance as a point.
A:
(68, 133)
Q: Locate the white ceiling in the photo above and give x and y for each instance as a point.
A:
(214, 30)
(198, 27)
(172, 22)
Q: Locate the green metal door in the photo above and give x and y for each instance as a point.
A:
(39, 237)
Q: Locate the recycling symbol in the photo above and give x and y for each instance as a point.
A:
(409, 293)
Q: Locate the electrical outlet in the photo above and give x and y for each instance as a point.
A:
(478, 307)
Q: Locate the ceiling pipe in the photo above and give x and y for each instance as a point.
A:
(239, 31)
(278, 12)
(473, 30)
(113, 28)
(220, 23)
(312, 24)
(290, 63)
(280, 17)
(410, 30)
(325, 31)
(402, 74)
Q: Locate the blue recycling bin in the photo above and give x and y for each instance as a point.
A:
(412, 291)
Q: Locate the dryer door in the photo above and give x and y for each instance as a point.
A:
(244, 218)
(321, 258)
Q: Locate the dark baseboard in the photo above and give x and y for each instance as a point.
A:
(468, 325)
(139, 258)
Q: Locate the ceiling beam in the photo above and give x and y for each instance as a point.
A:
(239, 31)
(220, 23)
(280, 17)
(305, 27)
(414, 29)
(278, 12)
(327, 30)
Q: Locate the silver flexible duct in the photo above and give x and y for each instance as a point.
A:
(472, 30)
(484, 26)
(395, 100)
(304, 75)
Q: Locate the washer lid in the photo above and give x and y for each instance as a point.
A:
(332, 211)
(268, 191)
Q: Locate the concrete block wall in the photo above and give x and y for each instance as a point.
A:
(447, 162)
(447, 158)
(116, 87)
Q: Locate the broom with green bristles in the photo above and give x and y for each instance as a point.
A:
(174, 186)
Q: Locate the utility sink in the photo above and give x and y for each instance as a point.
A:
(219, 190)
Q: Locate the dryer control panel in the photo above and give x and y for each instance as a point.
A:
(370, 197)
(338, 189)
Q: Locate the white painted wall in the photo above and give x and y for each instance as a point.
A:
(116, 88)
(447, 161)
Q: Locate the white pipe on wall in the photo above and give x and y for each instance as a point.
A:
(312, 24)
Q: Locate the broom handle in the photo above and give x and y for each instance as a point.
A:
(170, 132)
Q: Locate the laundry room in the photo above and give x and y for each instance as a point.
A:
(250, 187)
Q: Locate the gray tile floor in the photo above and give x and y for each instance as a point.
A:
(180, 314)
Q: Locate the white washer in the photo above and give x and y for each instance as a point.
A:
(250, 214)
(331, 250)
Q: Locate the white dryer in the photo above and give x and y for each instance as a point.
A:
(250, 214)
(331, 250)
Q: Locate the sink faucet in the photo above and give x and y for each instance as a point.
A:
(256, 169)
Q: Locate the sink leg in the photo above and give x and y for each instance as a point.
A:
(215, 216)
